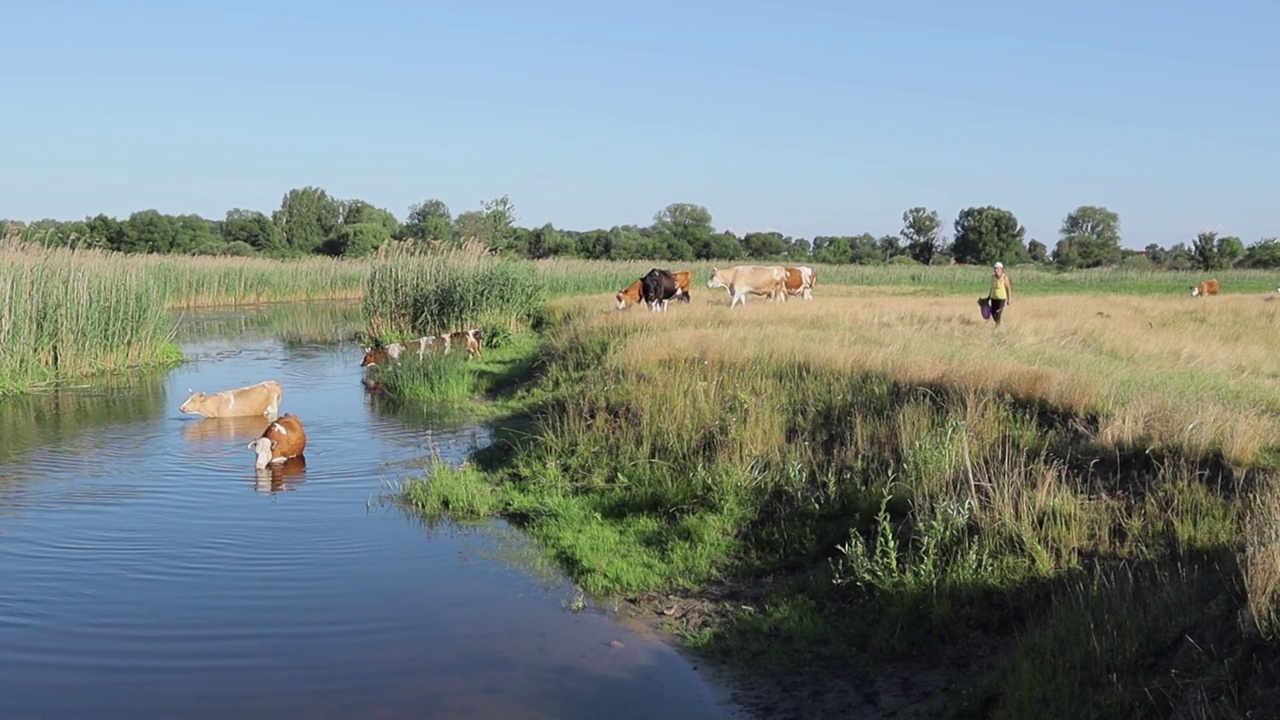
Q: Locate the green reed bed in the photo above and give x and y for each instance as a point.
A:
(413, 291)
(844, 515)
(71, 314)
(194, 282)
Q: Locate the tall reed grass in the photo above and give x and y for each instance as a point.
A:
(67, 314)
(413, 291)
(71, 313)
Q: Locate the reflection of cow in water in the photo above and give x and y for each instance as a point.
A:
(282, 477)
(226, 429)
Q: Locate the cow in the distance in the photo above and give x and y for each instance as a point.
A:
(261, 399)
(1208, 287)
(393, 352)
(657, 289)
(282, 440)
(743, 280)
(633, 294)
(469, 338)
(800, 281)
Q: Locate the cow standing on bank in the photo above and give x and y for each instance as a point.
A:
(743, 280)
(633, 294)
(1208, 287)
(800, 281)
(657, 288)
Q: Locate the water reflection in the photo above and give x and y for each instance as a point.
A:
(294, 324)
(26, 422)
(228, 430)
(282, 477)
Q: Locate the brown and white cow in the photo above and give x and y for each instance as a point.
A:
(261, 399)
(800, 281)
(393, 352)
(470, 339)
(743, 280)
(283, 439)
(1208, 287)
(633, 293)
(465, 338)
(657, 289)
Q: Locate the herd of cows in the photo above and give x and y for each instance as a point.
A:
(658, 287)
(284, 438)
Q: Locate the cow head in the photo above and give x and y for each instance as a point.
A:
(372, 356)
(1195, 290)
(262, 451)
(717, 280)
(192, 403)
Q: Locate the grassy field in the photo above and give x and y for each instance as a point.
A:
(566, 276)
(1073, 515)
(73, 314)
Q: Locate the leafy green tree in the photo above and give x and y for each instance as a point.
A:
(762, 245)
(493, 225)
(1230, 250)
(1264, 254)
(921, 229)
(1092, 236)
(987, 234)
(357, 212)
(307, 218)
(253, 229)
(1156, 254)
(1205, 251)
(1037, 252)
(430, 220)
(1096, 222)
(890, 247)
(546, 242)
(799, 249)
(149, 231)
(723, 246)
(357, 240)
(864, 249)
(685, 231)
(105, 232)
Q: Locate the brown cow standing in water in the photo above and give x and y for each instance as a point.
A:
(283, 439)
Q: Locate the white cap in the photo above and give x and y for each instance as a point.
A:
(999, 264)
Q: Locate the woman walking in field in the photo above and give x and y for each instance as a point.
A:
(1001, 292)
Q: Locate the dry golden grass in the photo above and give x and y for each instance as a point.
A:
(1196, 375)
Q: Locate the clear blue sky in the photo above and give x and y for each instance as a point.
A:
(822, 117)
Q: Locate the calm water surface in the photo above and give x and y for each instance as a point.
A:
(146, 570)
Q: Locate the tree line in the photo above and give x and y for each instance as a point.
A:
(309, 221)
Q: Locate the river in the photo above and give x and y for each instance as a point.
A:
(147, 572)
